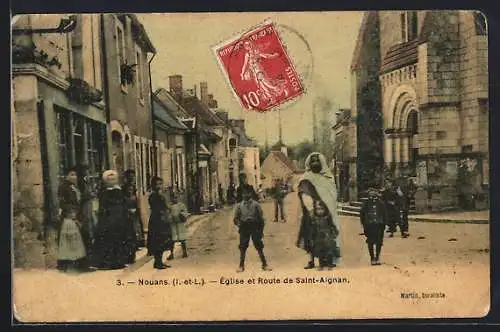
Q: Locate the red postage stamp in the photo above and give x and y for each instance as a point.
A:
(259, 69)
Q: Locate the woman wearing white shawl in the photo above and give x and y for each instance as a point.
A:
(317, 184)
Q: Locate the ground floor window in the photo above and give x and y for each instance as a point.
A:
(81, 141)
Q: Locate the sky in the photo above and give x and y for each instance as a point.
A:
(320, 45)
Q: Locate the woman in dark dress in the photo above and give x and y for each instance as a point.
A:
(136, 230)
(110, 245)
(159, 228)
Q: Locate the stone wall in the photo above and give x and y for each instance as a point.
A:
(28, 216)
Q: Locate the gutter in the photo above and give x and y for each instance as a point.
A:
(106, 86)
(155, 168)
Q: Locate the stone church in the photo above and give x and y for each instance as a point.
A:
(419, 108)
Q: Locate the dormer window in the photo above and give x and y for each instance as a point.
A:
(409, 26)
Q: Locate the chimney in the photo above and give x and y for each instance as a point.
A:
(175, 82)
(204, 92)
(284, 150)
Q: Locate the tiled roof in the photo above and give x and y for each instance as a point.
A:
(167, 99)
(283, 158)
(196, 108)
(166, 116)
(244, 140)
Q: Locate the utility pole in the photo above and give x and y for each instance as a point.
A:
(266, 142)
(315, 128)
(279, 127)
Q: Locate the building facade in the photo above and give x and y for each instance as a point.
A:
(277, 165)
(127, 50)
(433, 77)
(59, 113)
(171, 133)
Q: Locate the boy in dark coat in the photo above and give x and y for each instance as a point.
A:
(159, 228)
(250, 221)
(373, 219)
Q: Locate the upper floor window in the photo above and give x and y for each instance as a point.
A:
(138, 70)
(480, 22)
(409, 26)
(120, 51)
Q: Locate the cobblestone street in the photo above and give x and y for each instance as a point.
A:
(451, 259)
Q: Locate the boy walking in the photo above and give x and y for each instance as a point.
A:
(373, 219)
(250, 221)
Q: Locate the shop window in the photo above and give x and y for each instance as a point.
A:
(63, 142)
(80, 141)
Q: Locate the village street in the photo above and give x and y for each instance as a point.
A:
(207, 283)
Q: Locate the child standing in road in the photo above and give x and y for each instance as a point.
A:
(324, 235)
(373, 219)
(159, 228)
(178, 214)
(250, 221)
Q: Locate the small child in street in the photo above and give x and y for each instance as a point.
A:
(250, 221)
(373, 219)
(324, 235)
(178, 214)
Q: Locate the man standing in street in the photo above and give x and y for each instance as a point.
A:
(244, 186)
(279, 193)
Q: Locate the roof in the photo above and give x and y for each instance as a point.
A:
(167, 99)
(244, 140)
(196, 108)
(162, 113)
(359, 40)
(142, 34)
(283, 158)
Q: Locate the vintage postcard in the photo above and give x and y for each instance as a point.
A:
(250, 166)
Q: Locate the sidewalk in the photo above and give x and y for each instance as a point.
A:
(455, 217)
(468, 217)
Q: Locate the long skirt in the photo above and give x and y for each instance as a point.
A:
(71, 244)
(179, 232)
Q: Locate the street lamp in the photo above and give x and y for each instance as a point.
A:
(65, 26)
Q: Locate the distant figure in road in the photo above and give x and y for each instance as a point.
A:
(244, 186)
(317, 185)
(231, 191)
(178, 216)
(373, 218)
(159, 228)
(249, 218)
(403, 204)
(279, 191)
(110, 251)
(391, 207)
